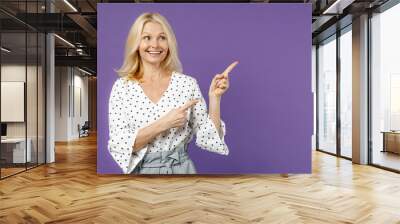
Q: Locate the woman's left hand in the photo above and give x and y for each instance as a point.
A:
(220, 82)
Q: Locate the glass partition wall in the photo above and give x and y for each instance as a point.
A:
(334, 90)
(385, 89)
(326, 60)
(22, 87)
(345, 62)
(334, 83)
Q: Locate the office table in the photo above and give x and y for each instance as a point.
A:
(391, 141)
(15, 148)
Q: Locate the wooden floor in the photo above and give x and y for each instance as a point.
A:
(387, 159)
(5, 172)
(70, 191)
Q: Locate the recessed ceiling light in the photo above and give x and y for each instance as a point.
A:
(5, 50)
(337, 7)
(64, 40)
(84, 71)
(70, 5)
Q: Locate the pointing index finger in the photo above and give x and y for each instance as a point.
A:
(230, 68)
(189, 104)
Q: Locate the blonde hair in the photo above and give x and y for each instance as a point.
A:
(132, 67)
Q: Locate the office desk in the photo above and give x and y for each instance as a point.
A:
(391, 141)
(15, 148)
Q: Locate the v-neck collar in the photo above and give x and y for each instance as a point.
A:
(163, 94)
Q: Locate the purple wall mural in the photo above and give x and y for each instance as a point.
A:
(268, 108)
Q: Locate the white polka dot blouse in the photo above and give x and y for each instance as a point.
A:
(130, 109)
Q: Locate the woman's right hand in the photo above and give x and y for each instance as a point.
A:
(177, 117)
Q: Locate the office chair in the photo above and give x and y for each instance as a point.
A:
(84, 130)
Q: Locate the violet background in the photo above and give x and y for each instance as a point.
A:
(268, 109)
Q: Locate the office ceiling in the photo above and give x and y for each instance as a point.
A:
(77, 23)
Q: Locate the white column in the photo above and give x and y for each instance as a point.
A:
(360, 90)
(50, 100)
(50, 93)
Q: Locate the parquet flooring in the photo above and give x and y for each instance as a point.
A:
(70, 191)
(10, 171)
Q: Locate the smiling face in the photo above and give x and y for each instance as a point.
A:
(153, 47)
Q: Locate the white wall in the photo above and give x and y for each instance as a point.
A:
(61, 103)
(12, 73)
(80, 94)
(71, 94)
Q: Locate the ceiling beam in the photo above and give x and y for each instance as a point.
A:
(82, 61)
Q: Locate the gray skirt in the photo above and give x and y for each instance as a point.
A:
(176, 161)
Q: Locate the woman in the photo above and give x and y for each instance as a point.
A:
(154, 109)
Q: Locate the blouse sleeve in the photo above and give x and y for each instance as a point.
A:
(122, 134)
(207, 136)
